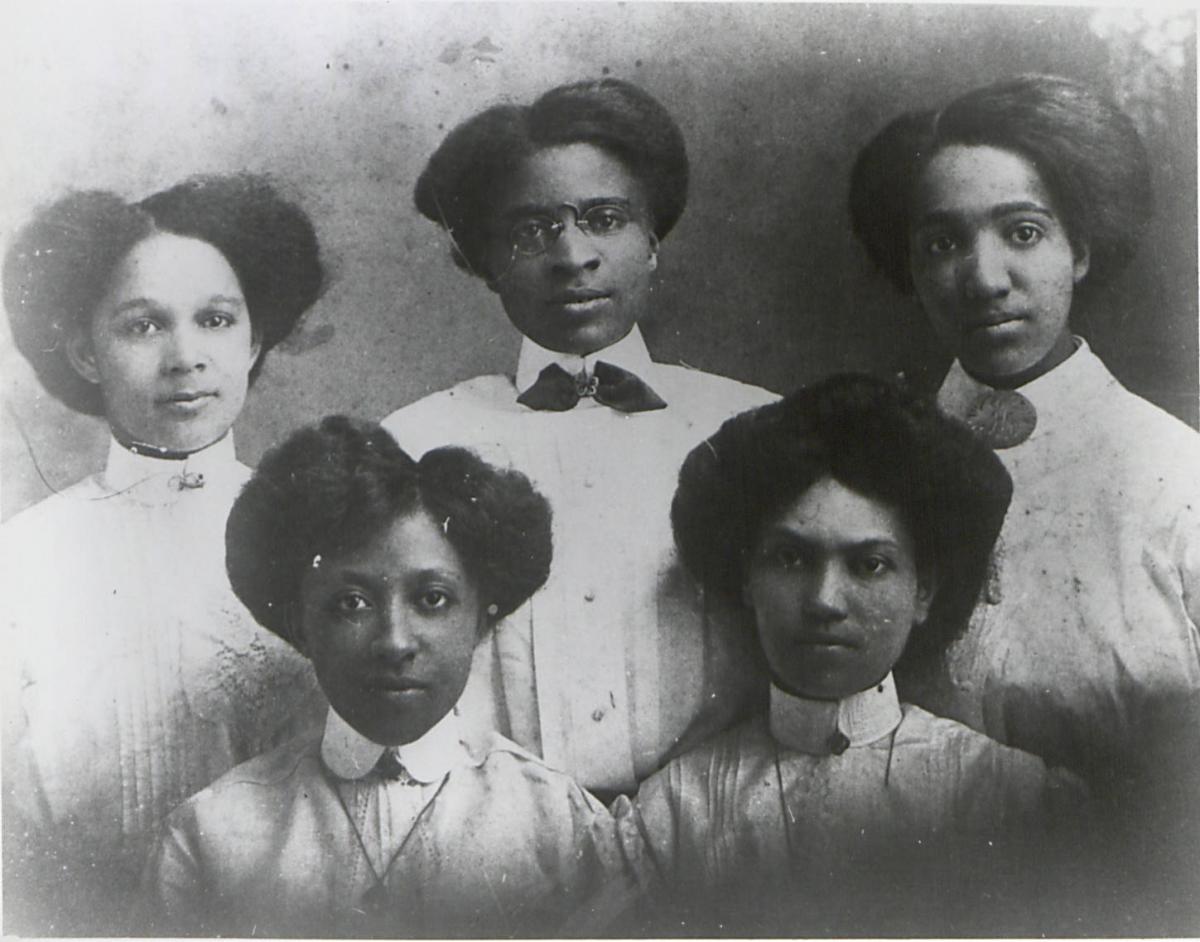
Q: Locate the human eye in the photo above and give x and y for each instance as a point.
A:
(1026, 234)
(216, 319)
(141, 326)
(873, 564)
(532, 234)
(606, 219)
(940, 244)
(786, 555)
(351, 602)
(434, 599)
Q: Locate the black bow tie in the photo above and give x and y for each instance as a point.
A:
(390, 767)
(556, 390)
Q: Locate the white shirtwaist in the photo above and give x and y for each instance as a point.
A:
(619, 657)
(1088, 631)
(133, 675)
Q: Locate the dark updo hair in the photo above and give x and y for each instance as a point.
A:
(457, 186)
(60, 264)
(333, 487)
(1085, 149)
(874, 438)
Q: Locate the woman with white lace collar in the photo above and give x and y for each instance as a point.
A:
(855, 522)
(133, 675)
(999, 211)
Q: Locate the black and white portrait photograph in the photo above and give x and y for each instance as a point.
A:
(599, 470)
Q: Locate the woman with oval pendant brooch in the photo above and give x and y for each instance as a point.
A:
(998, 211)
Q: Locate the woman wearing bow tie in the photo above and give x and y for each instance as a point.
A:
(560, 208)
(998, 211)
(134, 676)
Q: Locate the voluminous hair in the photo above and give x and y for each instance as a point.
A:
(60, 264)
(333, 487)
(458, 185)
(1086, 151)
(874, 438)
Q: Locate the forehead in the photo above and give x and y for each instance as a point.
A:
(414, 542)
(172, 268)
(830, 512)
(568, 173)
(969, 179)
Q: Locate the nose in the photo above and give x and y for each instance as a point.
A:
(984, 272)
(397, 637)
(185, 352)
(825, 599)
(574, 250)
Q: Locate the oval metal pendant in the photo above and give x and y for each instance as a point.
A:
(1002, 417)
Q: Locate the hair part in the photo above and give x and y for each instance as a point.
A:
(333, 487)
(1086, 151)
(874, 438)
(459, 183)
(60, 264)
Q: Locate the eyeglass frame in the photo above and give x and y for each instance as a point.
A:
(557, 226)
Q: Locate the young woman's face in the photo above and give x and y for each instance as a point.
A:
(587, 289)
(992, 263)
(835, 591)
(391, 629)
(170, 344)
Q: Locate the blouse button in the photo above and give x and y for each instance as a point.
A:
(589, 596)
(597, 714)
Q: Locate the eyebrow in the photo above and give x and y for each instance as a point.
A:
(138, 303)
(863, 542)
(355, 575)
(535, 209)
(936, 216)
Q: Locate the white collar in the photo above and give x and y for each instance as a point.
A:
(810, 725)
(349, 754)
(629, 353)
(1055, 394)
(126, 469)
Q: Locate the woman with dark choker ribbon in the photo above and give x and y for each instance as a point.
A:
(133, 675)
(999, 211)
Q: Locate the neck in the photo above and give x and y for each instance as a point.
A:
(1062, 349)
(130, 443)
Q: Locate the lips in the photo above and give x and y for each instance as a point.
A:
(830, 642)
(188, 395)
(578, 296)
(990, 320)
(393, 683)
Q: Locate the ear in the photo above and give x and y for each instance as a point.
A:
(1083, 260)
(927, 585)
(82, 355)
(653, 259)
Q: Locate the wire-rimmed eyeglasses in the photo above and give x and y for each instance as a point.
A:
(533, 234)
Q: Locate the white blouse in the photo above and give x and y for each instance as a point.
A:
(1086, 646)
(134, 676)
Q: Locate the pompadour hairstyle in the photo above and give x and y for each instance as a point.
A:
(333, 487)
(1085, 149)
(60, 263)
(874, 438)
(458, 185)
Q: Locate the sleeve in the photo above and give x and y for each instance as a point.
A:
(172, 891)
(604, 890)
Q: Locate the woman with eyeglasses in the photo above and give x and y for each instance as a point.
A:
(560, 207)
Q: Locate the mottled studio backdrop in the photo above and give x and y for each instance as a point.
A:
(762, 279)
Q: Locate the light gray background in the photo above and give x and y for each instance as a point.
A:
(761, 280)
